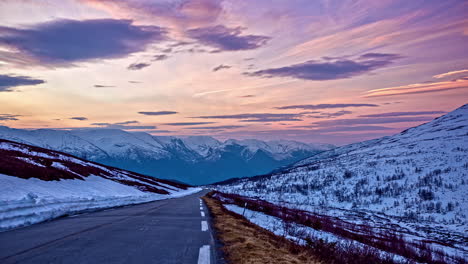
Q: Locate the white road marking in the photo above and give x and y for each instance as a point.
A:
(204, 226)
(202, 214)
(201, 208)
(204, 255)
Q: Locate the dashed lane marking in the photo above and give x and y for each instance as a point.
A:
(204, 255)
(204, 226)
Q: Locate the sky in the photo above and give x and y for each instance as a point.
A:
(314, 71)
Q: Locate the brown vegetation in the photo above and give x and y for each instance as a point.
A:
(246, 243)
(346, 252)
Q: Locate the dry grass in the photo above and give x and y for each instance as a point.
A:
(246, 243)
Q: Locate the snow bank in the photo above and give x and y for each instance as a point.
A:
(29, 201)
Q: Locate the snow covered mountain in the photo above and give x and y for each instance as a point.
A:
(37, 184)
(194, 160)
(415, 181)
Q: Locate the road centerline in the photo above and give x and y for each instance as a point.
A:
(204, 226)
(204, 255)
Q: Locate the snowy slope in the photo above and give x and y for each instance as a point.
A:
(203, 145)
(37, 184)
(278, 149)
(415, 180)
(195, 160)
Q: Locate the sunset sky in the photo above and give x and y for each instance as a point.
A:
(314, 71)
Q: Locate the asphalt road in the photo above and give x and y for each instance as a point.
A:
(168, 231)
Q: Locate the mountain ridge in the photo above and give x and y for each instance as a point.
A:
(193, 159)
(415, 181)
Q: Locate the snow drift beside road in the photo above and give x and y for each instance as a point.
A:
(38, 184)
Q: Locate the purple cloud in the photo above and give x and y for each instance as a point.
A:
(330, 69)
(215, 127)
(188, 123)
(266, 120)
(138, 66)
(404, 114)
(324, 106)
(364, 121)
(103, 86)
(158, 113)
(9, 117)
(79, 118)
(257, 117)
(227, 39)
(331, 115)
(345, 128)
(63, 42)
(221, 67)
(7, 82)
(160, 57)
(127, 122)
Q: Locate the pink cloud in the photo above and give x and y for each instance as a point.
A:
(419, 88)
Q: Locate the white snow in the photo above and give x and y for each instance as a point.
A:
(416, 182)
(102, 144)
(28, 201)
(203, 145)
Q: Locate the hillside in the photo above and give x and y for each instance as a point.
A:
(194, 160)
(415, 181)
(37, 184)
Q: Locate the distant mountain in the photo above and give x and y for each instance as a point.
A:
(194, 160)
(417, 180)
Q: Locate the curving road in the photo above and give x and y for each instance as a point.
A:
(168, 231)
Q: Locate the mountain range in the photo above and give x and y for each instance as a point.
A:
(194, 160)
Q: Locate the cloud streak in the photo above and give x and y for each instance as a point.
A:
(419, 88)
(331, 115)
(257, 117)
(392, 114)
(215, 127)
(442, 75)
(324, 106)
(138, 66)
(9, 117)
(188, 123)
(160, 57)
(103, 86)
(345, 129)
(330, 69)
(158, 113)
(8, 82)
(227, 39)
(79, 118)
(221, 67)
(369, 121)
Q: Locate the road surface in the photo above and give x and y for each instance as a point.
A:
(168, 231)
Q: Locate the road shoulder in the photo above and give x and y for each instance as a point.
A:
(243, 242)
